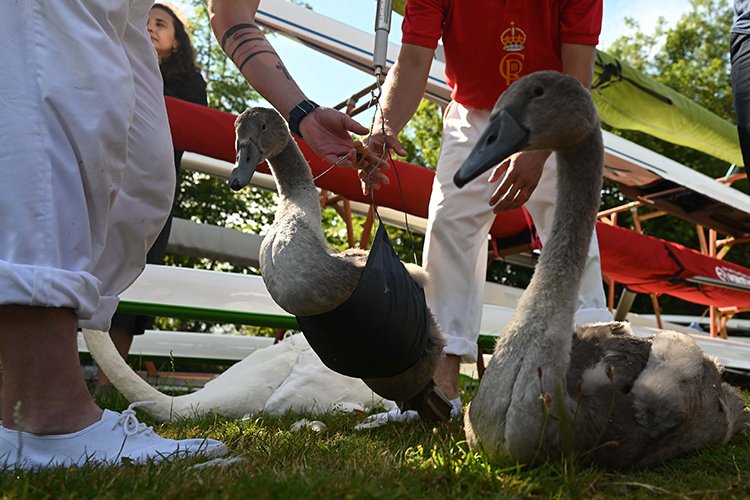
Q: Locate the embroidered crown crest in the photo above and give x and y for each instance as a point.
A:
(513, 38)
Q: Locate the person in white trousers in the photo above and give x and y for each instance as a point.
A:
(88, 174)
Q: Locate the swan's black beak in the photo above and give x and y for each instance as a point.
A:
(247, 161)
(502, 137)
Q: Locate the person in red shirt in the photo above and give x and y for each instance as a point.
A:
(488, 45)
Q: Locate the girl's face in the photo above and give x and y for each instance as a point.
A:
(161, 29)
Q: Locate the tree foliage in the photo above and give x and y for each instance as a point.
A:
(691, 58)
(421, 137)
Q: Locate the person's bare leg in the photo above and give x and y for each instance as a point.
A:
(41, 369)
(447, 376)
(122, 338)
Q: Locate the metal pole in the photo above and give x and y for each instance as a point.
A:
(382, 28)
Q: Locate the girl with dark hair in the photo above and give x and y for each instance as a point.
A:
(182, 80)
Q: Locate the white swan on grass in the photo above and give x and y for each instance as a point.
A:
(276, 379)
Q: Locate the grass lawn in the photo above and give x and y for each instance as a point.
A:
(409, 460)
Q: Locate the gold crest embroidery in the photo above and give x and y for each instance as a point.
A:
(513, 38)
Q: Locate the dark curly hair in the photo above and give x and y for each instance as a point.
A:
(181, 62)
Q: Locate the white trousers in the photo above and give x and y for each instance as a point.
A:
(456, 244)
(85, 153)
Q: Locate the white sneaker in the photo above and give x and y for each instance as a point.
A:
(114, 440)
(395, 415)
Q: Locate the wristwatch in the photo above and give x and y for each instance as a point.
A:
(297, 113)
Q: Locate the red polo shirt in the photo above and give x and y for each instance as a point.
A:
(489, 44)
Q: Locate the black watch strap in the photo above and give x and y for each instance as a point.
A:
(297, 113)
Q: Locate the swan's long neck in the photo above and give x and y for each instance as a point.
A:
(294, 179)
(133, 387)
(550, 301)
(506, 415)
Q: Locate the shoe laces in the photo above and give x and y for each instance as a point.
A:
(130, 424)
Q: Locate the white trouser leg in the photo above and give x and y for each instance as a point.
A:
(456, 243)
(75, 215)
(147, 190)
(455, 252)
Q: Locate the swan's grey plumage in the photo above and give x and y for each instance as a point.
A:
(550, 387)
(303, 275)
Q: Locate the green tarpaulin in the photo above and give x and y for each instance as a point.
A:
(628, 99)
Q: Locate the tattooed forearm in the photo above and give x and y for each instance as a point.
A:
(254, 53)
(238, 31)
(284, 70)
(244, 41)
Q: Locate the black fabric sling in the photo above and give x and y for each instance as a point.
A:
(381, 329)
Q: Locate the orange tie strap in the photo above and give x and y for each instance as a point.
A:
(362, 152)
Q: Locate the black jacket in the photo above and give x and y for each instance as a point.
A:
(191, 89)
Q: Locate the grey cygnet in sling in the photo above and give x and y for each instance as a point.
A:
(668, 396)
(303, 275)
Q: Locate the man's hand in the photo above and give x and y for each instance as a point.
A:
(327, 132)
(523, 173)
(376, 141)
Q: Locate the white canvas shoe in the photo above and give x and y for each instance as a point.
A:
(396, 415)
(114, 440)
